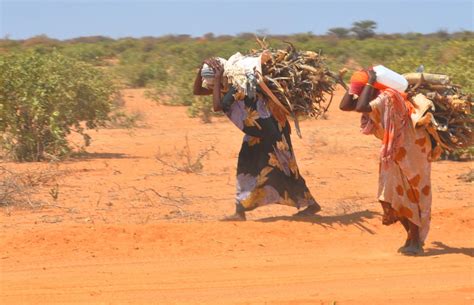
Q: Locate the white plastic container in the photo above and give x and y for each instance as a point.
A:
(390, 78)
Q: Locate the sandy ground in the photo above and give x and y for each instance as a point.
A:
(127, 228)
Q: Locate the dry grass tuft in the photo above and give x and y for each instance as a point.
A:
(18, 188)
(467, 177)
(188, 163)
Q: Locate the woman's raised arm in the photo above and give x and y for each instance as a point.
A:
(363, 102)
(198, 89)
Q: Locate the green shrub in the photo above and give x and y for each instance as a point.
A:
(92, 53)
(201, 106)
(141, 75)
(45, 97)
(167, 65)
(453, 58)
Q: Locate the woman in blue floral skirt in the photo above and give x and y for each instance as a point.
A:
(267, 172)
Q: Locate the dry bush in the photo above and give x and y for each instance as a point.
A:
(467, 177)
(18, 188)
(188, 163)
(175, 203)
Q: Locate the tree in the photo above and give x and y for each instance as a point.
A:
(339, 32)
(209, 36)
(442, 33)
(45, 97)
(364, 29)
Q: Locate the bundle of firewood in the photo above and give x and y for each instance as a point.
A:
(453, 110)
(299, 82)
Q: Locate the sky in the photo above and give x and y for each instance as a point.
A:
(20, 19)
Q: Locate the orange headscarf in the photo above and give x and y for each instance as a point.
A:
(359, 79)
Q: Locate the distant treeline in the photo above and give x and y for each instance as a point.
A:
(167, 65)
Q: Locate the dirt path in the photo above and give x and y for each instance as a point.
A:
(129, 229)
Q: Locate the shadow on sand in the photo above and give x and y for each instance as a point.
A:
(441, 249)
(355, 219)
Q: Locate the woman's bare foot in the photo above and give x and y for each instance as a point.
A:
(237, 216)
(402, 248)
(413, 249)
(309, 211)
(406, 225)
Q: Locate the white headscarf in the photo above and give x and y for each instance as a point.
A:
(207, 73)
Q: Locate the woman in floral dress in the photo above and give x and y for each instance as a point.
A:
(267, 172)
(404, 188)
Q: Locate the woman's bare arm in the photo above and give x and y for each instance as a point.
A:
(198, 89)
(216, 91)
(363, 102)
(348, 103)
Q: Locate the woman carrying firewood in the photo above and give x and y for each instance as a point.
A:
(267, 172)
(404, 171)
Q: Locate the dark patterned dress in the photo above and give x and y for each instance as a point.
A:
(266, 171)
